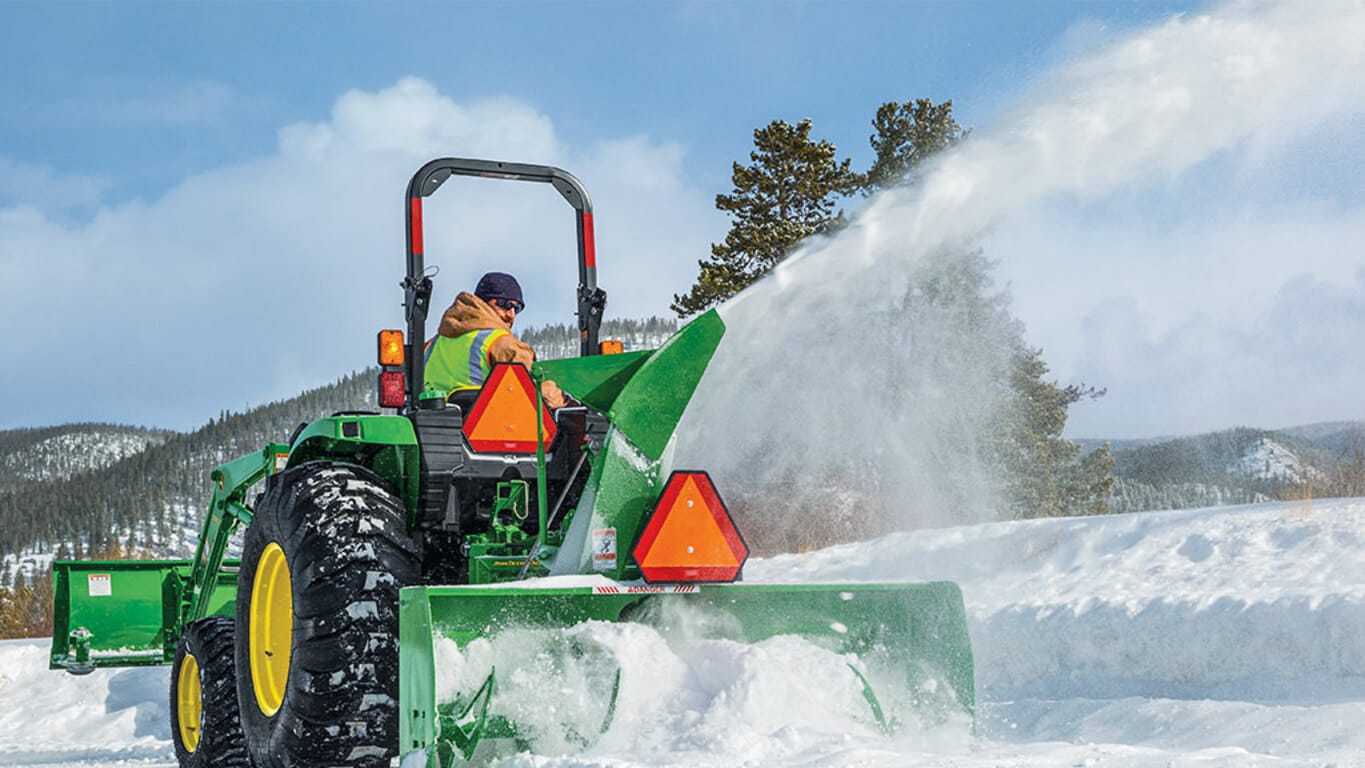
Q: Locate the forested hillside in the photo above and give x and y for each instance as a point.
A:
(555, 341)
(138, 499)
(1239, 466)
(29, 456)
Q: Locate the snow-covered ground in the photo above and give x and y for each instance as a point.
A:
(1221, 637)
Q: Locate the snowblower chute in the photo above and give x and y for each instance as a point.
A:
(406, 575)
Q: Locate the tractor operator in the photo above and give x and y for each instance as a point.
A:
(476, 333)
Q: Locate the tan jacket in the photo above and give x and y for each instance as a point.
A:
(471, 313)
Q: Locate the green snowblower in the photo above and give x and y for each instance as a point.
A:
(481, 528)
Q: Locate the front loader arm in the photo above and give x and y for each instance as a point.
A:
(227, 510)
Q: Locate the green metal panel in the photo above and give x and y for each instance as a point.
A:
(649, 406)
(595, 380)
(627, 485)
(625, 481)
(124, 612)
(922, 628)
(417, 722)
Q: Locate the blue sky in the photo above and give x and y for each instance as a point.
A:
(142, 94)
(199, 202)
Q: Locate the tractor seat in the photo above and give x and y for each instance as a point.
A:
(464, 398)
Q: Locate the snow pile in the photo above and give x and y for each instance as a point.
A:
(1258, 602)
(1224, 637)
(689, 695)
(1268, 460)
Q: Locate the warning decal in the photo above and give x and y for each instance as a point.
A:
(101, 585)
(603, 549)
(648, 589)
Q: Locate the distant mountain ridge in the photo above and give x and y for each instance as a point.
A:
(1237, 466)
(57, 453)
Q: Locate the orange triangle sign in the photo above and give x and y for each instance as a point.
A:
(503, 419)
(690, 535)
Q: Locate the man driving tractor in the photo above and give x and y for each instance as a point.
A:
(476, 333)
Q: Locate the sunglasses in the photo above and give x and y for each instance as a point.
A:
(512, 304)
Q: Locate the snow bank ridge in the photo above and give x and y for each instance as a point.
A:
(1288, 649)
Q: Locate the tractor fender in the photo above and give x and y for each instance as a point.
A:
(385, 445)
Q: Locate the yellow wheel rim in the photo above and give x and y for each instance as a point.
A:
(189, 698)
(272, 629)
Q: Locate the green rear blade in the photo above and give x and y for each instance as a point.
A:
(918, 631)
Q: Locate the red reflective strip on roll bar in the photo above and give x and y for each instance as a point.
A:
(589, 246)
(417, 225)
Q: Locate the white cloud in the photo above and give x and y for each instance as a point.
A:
(1295, 363)
(251, 281)
(33, 185)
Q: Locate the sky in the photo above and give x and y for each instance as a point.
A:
(200, 204)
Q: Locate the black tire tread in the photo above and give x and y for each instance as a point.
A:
(221, 742)
(344, 536)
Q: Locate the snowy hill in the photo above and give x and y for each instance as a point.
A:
(1267, 459)
(1237, 466)
(1215, 637)
(59, 453)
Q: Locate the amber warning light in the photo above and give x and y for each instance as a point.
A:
(690, 535)
(393, 383)
(391, 348)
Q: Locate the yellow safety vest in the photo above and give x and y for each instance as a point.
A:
(461, 362)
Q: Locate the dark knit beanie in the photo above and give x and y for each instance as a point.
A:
(499, 285)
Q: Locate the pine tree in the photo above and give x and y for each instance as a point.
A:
(1046, 475)
(906, 135)
(1348, 476)
(789, 192)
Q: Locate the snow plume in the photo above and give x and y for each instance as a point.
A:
(842, 352)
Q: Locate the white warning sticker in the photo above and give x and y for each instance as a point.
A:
(101, 584)
(603, 549)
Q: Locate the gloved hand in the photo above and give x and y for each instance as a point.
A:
(554, 396)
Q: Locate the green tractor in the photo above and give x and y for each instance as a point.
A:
(382, 543)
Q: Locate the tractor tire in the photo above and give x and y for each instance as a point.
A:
(317, 619)
(204, 721)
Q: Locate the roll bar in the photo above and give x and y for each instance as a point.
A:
(417, 286)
